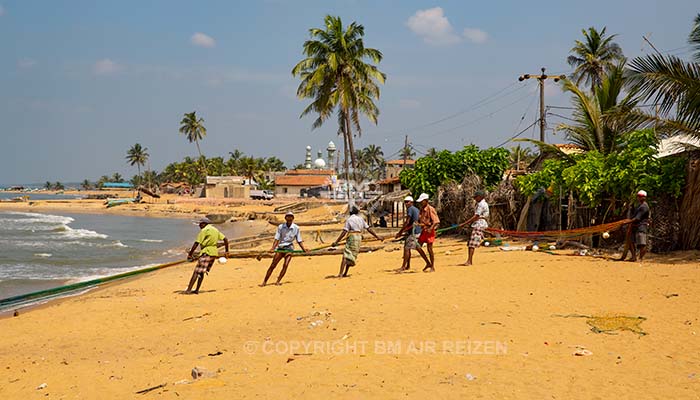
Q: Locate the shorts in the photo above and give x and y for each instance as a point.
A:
(476, 237)
(411, 242)
(289, 247)
(426, 237)
(204, 263)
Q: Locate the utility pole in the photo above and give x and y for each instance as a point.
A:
(405, 152)
(541, 78)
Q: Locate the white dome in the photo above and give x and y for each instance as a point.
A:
(308, 147)
(320, 163)
(331, 145)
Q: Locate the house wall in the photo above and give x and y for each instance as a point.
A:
(288, 191)
(223, 190)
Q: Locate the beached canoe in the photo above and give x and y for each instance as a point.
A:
(119, 202)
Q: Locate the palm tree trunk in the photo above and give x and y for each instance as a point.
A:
(353, 160)
(204, 168)
(347, 170)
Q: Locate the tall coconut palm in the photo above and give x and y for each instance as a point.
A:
(117, 177)
(673, 84)
(250, 166)
(407, 152)
(335, 74)
(519, 154)
(138, 156)
(593, 56)
(193, 128)
(601, 118)
(86, 185)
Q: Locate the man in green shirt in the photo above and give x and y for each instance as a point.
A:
(208, 238)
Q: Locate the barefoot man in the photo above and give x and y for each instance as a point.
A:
(637, 231)
(478, 224)
(411, 229)
(208, 238)
(428, 221)
(286, 234)
(353, 228)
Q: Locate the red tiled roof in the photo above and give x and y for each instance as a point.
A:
(302, 180)
(389, 181)
(400, 162)
(310, 172)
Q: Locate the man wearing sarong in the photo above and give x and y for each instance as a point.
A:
(353, 229)
(636, 237)
(283, 246)
(208, 238)
(478, 224)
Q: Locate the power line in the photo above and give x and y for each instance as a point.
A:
(519, 133)
(480, 118)
(475, 106)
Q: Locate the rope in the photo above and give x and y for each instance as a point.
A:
(609, 227)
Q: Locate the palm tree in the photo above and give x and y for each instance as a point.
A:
(600, 118)
(374, 155)
(592, 57)
(48, 185)
(250, 166)
(138, 156)
(193, 128)
(519, 154)
(407, 152)
(233, 162)
(673, 84)
(116, 177)
(273, 164)
(432, 152)
(86, 185)
(334, 74)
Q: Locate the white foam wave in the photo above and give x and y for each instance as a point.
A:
(119, 244)
(82, 234)
(152, 240)
(37, 218)
(43, 255)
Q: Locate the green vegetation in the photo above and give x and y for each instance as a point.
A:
(431, 172)
(596, 178)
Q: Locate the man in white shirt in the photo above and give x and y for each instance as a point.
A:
(283, 246)
(353, 228)
(478, 224)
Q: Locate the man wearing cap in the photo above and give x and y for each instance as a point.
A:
(428, 222)
(353, 229)
(411, 229)
(208, 238)
(283, 246)
(478, 224)
(637, 232)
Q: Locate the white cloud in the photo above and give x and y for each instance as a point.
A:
(202, 40)
(106, 67)
(432, 25)
(475, 35)
(25, 63)
(409, 104)
(2, 11)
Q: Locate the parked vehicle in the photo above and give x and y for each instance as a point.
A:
(261, 195)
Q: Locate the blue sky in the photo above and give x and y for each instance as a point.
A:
(82, 81)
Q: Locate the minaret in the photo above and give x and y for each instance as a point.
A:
(331, 153)
(307, 161)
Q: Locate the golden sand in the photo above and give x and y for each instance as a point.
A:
(486, 331)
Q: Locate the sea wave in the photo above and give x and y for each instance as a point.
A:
(71, 233)
(43, 255)
(152, 240)
(34, 221)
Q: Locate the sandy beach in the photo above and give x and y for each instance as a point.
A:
(508, 327)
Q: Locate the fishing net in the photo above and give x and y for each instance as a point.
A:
(611, 323)
(568, 234)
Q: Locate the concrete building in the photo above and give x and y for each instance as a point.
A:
(294, 181)
(394, 167)
(224, 187)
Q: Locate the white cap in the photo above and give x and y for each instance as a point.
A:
(423, 196)
(642, 193)
(408, 198)
(289, 213)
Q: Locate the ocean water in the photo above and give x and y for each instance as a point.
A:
(37, 196)
(40, 251)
